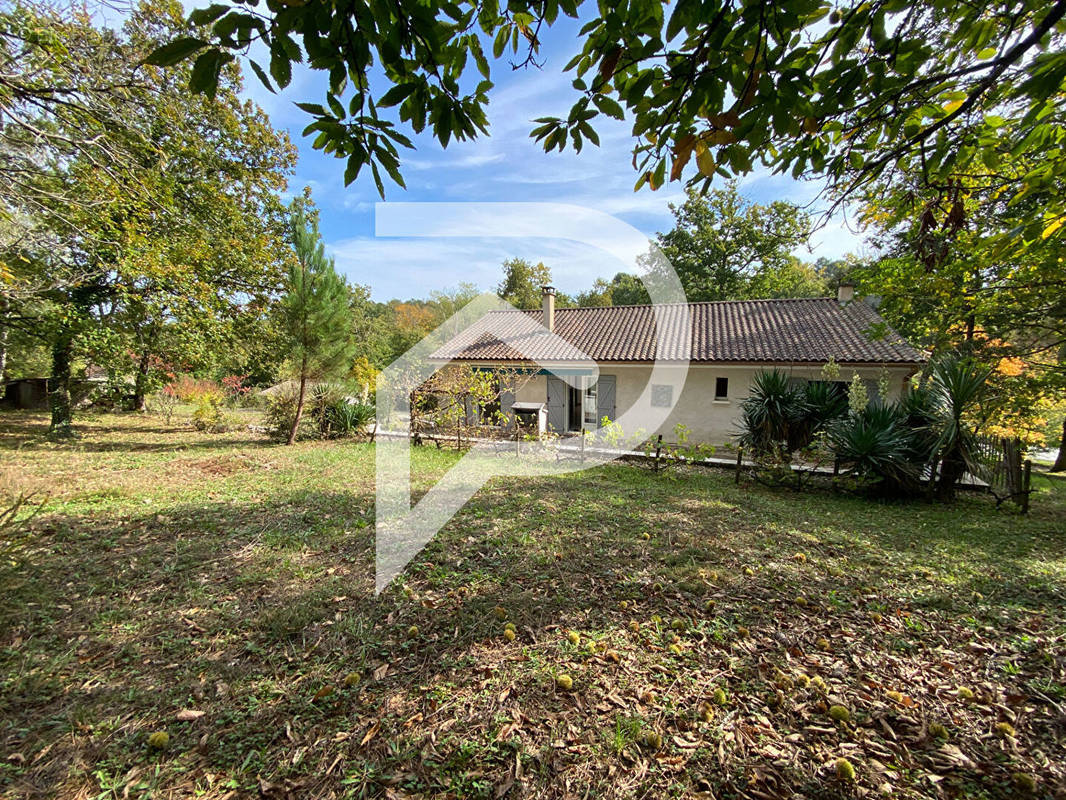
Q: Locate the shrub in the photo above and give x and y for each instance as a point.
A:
(817, 405)
(328, 413)
(896, 445)
(349, 419)
(115, 395)
(319, 400)
(163, 403)
(957, 385)
(235, 389)
(823, 403)
(279, 414)
(207, 415)
(187, 388)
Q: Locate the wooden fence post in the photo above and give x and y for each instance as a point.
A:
(1012, 459)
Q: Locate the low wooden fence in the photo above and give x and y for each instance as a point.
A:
(1008, 476)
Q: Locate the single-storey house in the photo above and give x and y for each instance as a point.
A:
(730, 341)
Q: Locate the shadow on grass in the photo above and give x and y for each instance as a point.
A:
(24, 430)
(255, 613)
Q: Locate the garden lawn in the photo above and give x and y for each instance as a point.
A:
(218, 588)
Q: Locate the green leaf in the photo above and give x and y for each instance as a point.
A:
(259, 73)
(280, 67)
(175, 51)
(589, 133)
(292, 50)
(500, 42)
(394, 172)
(313, 108)
(377, 179)
(204, 78)
(397, 94)
(205, 16)
(355, 165)
(608, 106)
(335, 106)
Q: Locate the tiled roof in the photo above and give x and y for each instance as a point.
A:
(781, 331)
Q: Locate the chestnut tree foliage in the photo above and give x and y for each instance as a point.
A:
(855, 91)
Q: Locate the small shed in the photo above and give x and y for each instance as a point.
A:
(25, 393)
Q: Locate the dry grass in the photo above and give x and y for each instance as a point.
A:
(175, 572)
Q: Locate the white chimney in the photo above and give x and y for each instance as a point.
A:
(548, 304)
(845, 293)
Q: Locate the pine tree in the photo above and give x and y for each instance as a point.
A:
(315, 311)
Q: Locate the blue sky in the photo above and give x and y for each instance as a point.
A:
(506, 166)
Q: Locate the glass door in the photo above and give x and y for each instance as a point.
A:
(590, 406)
(573, 419)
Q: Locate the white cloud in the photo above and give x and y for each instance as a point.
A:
(407, 267)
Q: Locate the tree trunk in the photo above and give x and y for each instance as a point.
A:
(299, 408)
(59, 389)
(4, 330)
(3, 349)
(140, 382)
(1060, 461)
(952, 468)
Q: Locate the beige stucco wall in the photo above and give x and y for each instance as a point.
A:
(708, 420)
(532, 389)
(714, 421)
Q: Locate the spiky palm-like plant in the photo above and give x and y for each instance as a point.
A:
(349, 419)
(770, 414)
(877, 443)
(823, 402)
(919, 412)
(957, 385)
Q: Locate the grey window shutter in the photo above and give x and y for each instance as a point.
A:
(605, 391)
(506, 403)
(556, 404)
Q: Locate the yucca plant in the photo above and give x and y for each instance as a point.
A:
(957, 385)
(324, 396)
(877, 443)
(823, 403)
(350, 419)
(771, 414)
(918, 410)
